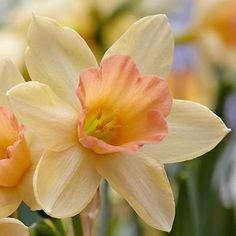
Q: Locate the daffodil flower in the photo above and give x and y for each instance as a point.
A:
(12, 227)
(116, 121)
(19, 150)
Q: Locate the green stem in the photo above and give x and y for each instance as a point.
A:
(137, 226)
(59, 226)
(77, 227)
(193, 198)
(43, 229)
(105, 209)
(32, 232)
(234, 212)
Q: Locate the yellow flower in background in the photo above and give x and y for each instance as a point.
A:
(19, 150)
(222, 20)
(216, 31)
(12, 227)
(209, 34)
(197, 84)
(116, 120)
(74, 13)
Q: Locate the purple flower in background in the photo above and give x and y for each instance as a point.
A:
(230, 111)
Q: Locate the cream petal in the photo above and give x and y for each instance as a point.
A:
(26, 190)
(56, 55)
(193, 131)
(12, 227)
(9, 77)
(9, 201)
(25, 187)
(150, 43)
(39, 108)
(142, 181)
(65, 182)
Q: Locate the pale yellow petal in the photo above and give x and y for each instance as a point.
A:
(26, 190)
(56, 55)
(12, 227)
(25, 187)
(150, 43)
(142, 181)
(193, 131)
(65, 182)
(39, 108)
(9, 201)
(9, 77)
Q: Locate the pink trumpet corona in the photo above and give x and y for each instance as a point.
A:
(122, 110)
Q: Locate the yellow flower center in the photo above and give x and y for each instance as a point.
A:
(103, 124)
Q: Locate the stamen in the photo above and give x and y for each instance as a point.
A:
(105, 121)
(103, 124)
(99, 115)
